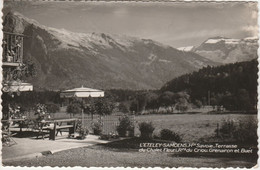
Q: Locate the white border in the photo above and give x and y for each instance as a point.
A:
(128, 168)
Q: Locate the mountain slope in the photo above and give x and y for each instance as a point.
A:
(232, 85)
(227, 50)
(65, 59)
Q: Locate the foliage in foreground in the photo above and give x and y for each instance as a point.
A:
(241, 131)
(167, 134)
(97, 127)
(125, 124)
(146, 129)
(81, 129)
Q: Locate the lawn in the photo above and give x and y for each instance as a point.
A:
(192, 127)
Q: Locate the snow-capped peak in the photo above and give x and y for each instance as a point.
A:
(186, 49)
(229, 40)
(225, 40)
(90, 40)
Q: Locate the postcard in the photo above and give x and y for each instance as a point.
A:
(129, 84)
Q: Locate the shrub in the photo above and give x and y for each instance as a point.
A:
(97, 128)
(227, 128)
(74, 108)
(167, 134)
(246, 132)
(146, 129)
(108, 136)
(52, 108)
(242, 131)
(125, 125)
(41, 112)
(82, 130)
(123, 108)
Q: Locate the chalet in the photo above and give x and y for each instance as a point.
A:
(12, 63)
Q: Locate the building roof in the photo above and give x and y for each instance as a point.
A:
(82, 92)
(83, 89)
(17, 86)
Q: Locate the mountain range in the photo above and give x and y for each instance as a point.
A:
(66, 59)
(226, 50)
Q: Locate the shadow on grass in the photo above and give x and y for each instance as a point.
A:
(129, 144)
(248, 157)
(30, 134)
(25, 134)
(133, 144)
(223, 158)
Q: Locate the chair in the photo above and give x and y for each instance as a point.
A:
(7, 139)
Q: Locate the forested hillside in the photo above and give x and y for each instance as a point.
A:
(234, 85)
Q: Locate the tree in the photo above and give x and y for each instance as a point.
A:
(123, 108)
(74, 108)
(134, 106)
(243, 100)
(103, 106)
(52, 108)
(218, 80)
(198, 103)
(182, 101)
(182, 104)
(167, 98)
(152, 101)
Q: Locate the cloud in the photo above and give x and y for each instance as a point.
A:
(120, 12)
(196, 34)
(251, 29)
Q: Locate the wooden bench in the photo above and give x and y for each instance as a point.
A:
(18, 121)
(58, 125)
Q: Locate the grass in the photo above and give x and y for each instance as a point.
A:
(134, 144)
(123, 153)
(192, 127)
(131, 143)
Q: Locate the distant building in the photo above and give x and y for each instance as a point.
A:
(81, 93)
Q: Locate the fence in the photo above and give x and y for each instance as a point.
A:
(109, 122)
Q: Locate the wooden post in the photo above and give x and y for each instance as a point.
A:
(8, 118)
(82, 117)
(15, 49)
(7, 47)
(52, 132)
(11, 43)
(21, 56)
(20, 125)
(134, 123)
(72, 129)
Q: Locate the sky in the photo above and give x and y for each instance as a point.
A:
(173, 23)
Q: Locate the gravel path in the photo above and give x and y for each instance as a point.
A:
(101, 156)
